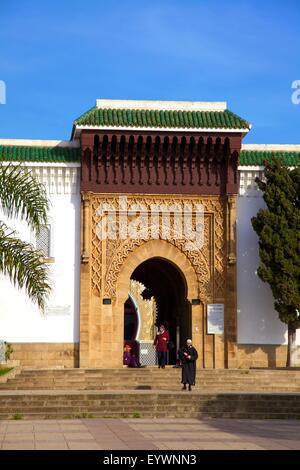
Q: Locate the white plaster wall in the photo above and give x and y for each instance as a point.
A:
(258, 322)
(20, 319)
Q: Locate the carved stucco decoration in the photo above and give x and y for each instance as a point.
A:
(146, 311)
(208, 262)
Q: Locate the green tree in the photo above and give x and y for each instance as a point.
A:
(278, 229)
(23, 196)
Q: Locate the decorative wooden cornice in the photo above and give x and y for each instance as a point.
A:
(157, 163)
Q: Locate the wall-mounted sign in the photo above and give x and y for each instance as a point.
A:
(215, 319)
(53, 310)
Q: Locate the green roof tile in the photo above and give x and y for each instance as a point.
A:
(161, 119)
(57, 154)
(20, 153)
(257, 157)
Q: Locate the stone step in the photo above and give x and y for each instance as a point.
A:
(157, 387)
(20, 378)
(211, 390)
(113, 406)
(153, 378)
(156, 376)
(160, 415)
(139, 373)
(150, 377)
(147, 380)
(141, 380)
(147, 385)
(167, 371)
(126, 384)
(142, 404)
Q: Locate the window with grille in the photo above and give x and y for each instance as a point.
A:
(43, 240)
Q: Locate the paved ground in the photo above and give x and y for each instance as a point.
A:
(150, 434)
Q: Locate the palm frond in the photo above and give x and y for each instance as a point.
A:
(24, 266)
(22, 195)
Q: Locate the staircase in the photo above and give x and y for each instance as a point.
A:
(150, 378)
(144, 404)
(150, 393)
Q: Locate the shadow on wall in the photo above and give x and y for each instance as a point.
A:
(260, 355)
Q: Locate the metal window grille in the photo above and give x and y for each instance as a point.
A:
(43, 240)
(147, 354)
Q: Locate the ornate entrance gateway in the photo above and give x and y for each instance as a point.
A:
(157, 294)
(143, 188)
(165, 287)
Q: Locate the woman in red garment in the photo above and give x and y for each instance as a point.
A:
(161, 343)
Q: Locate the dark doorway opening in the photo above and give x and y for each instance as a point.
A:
(166, 283)
(131, 325)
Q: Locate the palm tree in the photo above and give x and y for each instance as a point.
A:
(23, 196)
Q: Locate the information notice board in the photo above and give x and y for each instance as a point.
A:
(215, 319)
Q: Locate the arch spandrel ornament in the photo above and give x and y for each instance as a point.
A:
(198, 264)
(208, 263)
(155, 249)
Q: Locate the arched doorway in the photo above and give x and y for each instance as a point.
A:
(165, 283)
(167, 252)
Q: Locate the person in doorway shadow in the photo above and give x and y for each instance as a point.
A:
(188, 356)
(129, 359)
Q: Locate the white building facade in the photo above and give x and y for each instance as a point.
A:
(52, 338)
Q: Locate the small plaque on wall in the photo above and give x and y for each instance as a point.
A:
(215, 319)
(58, 310)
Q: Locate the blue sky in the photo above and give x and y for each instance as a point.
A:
(58, 56)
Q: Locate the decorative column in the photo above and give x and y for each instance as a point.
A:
(126, 167)
(198, 332)
(202, 145)
(134, 154)
(85, 204)
(143, 176)
(99, 162)
(231, 285)
(117, 162)
(185, 159)
(176, 162)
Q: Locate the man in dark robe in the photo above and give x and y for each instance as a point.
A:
(188, 356)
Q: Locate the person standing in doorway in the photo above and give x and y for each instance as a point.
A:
(161, 344)
(188, 356)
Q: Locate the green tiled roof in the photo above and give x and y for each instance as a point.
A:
(257, 157)
(161, 119)
(20, 153)
(23, 153)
